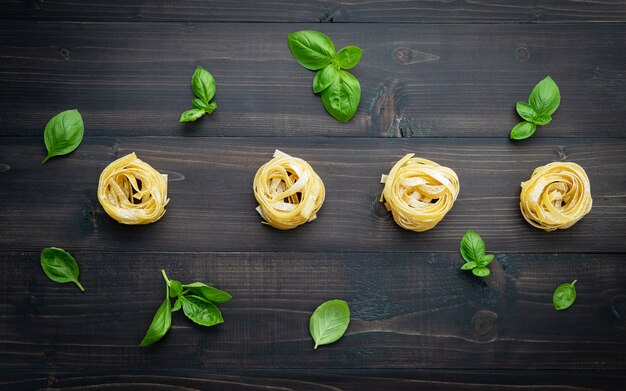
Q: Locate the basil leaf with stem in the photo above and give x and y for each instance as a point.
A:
(312, 49)
(177, 305)
(564, 296)
(208, 292)
(63, 133)
(191, 115)
(525, 111)
(60, 266)
(348, 57)
(545, 98)
(341, 99)
(203, 84)
(325, 77)
(329, 322)
(162, 320)
(201, 311)
(523, 130)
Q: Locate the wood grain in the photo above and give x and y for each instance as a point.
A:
(433, 315)
(315, 11)
(417, 80)
(212, 205)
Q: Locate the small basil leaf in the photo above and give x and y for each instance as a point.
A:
(177, 304)
(201, 311)
(472, 247)
(525, 111)
(63, 133)
(545, 98)
(208, 292)
(199, 104)
(212, 106)
(542, 119)
(341, 99)
(523, 130)
(348, 57)
(160, 324)
(176, 288)
(481, 272)
(203, 84)
(191, 115)
(564, 296)
(325, 77)
(329, 322)
(468, 265)
(486, 259)
(60, 266)
(312, 49)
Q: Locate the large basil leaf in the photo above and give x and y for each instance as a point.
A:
(312, 49)
(325, 77)
(208, 292)
(201, 311)
(472, 247)
(329, 322)
(545, 98)
(161, 323)
(60, 266)
(341, 99)
(203, 84)
(348, 57)
(63, 133)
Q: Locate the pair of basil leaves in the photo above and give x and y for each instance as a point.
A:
(203, 86)
(543, 101)
(197, 300)
(340, 90)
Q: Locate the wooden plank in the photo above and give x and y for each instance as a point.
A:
(380, 11)
(432, 315)
(417, 80)
(212, 205)
(320, 380)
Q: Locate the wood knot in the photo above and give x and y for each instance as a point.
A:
(51, 380)
(383, 107)
(328, 15)
(407, 56)
(4, 167)
(484, 325)
(522, 54)
(115, 149)
(378, 208)
(617, 309)
(90, 213)
(561, 154)
(65, 53)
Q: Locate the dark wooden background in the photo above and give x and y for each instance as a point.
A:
(439, 78)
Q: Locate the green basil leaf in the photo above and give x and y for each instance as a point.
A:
(329, 322)
(199, 104)
(63, 133)
(325, 77)
(472, 247)
(525, 111)
(348, 57)
(468, 265)
(523, 130)
(564, 296)
(341, 99)
(191, 115)
(203, 84)
(212, 106)
(542, 119)
(312, 49)
(160, 324)
(208, 292)
(176, 288)
(486, 259)
(60, 266)
(177, 304)
(201, 311)
(545, 98)
(481, 272)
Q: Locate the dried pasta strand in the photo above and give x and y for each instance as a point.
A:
(556, 196)
(288, 191)
(132, 192)
(419, 192)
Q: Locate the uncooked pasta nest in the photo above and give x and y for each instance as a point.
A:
(419, 192)
(288, 191)
(556, 196)
(132, 192)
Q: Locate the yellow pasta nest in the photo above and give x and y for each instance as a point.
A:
(419, 192)
(556, 196)
(132, 192)
(288, 191)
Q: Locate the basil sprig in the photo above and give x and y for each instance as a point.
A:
(63, 133)
(473, 252)
(60, 266)
(340, 90)
(329, 322)
(197, 301)
(203, 85)
(564, 296)
(543, 101)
